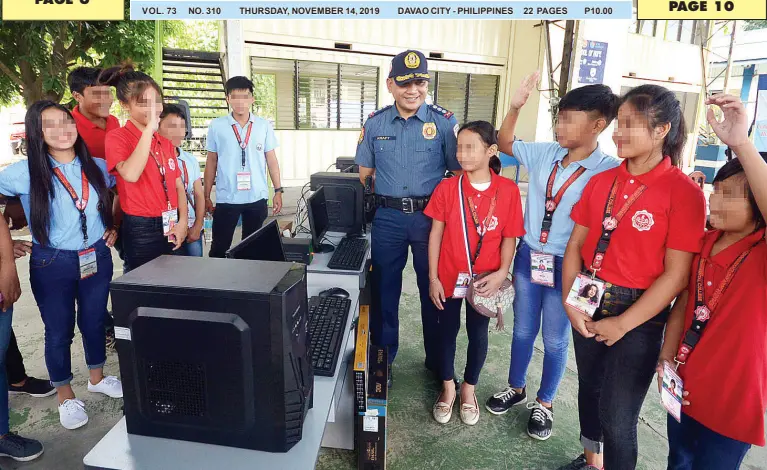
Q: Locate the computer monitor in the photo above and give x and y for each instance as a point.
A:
(215, 351)
(345, 198)
(318, 220)
(262, 245)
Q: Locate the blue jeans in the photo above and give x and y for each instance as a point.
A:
(694, 446)
(393, 231)
(190, 249)
(476, 329)
(533, 301)
(5, 338)
(56, 285)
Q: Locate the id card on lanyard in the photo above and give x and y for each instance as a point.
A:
(542, 264)
(587, 291)
(243, 177)
(190, 202)
(87, 256)
(169, 216)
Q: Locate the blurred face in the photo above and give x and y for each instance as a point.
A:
(730, 209)
(141, 109)
(95, 100)
(576, 128)
(473, 154)
(59, 130)
(173, 128)
(410, 96)
(240, 101)
(633, 136)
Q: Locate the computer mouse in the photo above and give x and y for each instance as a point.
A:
(335, 292)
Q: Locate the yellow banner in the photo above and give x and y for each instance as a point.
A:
(701, 9)
(57, 10)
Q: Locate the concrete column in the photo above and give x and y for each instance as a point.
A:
(234, 42)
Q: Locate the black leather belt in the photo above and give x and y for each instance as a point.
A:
(408, 205)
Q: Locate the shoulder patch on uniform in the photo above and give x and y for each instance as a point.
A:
(440, 110)
(379, 111)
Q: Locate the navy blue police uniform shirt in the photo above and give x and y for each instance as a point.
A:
(410, 156)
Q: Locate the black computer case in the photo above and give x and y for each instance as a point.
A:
(215, 351)
(344, 198)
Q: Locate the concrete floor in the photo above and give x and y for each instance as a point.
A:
(415, 440)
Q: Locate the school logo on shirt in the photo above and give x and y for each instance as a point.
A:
(429, 130)
(259, 147)
(172, 164)
(492, 225)
(643, 221)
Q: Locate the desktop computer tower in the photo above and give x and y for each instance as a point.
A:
(345, 200)
(215, 351)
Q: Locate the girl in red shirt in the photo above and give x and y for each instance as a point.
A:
(496, 203)
(149, 183)
(717, 331)
(637, 228)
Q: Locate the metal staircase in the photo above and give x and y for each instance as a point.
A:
(198, 79)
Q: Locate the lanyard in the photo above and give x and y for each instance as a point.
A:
(243, 145)
(610, 222)
(703, 309)
(161, 168)
(80, 203)
(481, 229)
(553, 202)
(185, 181)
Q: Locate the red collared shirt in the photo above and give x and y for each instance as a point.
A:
(93, 135)
(507, 222)
(146, 197)
(671, 213)
(726, 373)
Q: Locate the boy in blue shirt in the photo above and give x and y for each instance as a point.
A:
(241, 148)
(558, 173)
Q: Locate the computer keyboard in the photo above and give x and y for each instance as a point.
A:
(327, 320)
(349, 254)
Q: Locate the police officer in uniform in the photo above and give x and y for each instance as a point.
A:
(407, 148)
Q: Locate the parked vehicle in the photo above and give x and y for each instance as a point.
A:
(18, 138)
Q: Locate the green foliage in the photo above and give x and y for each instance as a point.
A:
(35, 57)
(196, 35)
(755, 24)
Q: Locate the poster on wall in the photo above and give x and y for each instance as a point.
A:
(593, 58)
(760, 118)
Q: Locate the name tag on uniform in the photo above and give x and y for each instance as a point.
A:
(461, 288)
(169, 219)
(190, 218)
(243, 181)
(586, 294)
(542, 269)
(88, 264)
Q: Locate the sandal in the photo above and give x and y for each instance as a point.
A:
(470, 412)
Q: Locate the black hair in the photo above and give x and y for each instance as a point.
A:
(735, 168)
(173, 109)
(238, 83)
(41, 173)
(489, 136)
(660, 106)
(81, 78)
(130, 84)
(596, 99)
(585, 290)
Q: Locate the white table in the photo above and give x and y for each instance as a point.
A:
(329, 423)
(320, 260)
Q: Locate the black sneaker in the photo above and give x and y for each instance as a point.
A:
(110, 339)
(578, 464)
(34, 387)
(502, 401)
(541, 421)
(19, 448)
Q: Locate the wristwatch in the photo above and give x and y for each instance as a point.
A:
(279, 190)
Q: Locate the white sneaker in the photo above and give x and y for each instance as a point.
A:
(72, 414)
(109, 386)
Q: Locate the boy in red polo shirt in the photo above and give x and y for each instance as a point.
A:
(637, 228)
(717, 331)
(148, 178)
(494, 221)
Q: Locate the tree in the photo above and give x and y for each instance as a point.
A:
(35, 57)
(755, 24)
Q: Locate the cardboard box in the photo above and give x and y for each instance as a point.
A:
(370, 427)
(361, 360)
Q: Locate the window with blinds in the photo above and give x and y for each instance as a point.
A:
(314, 95)
(470, 97)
